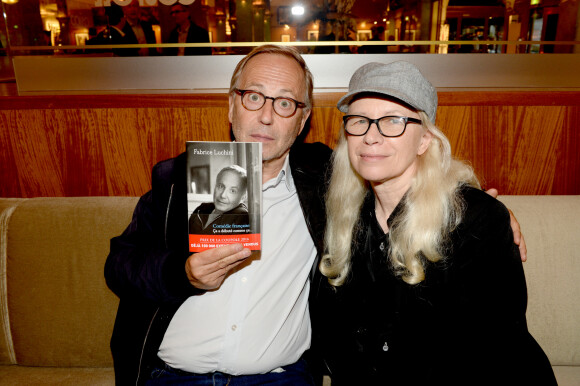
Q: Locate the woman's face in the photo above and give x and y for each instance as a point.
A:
(380, 159)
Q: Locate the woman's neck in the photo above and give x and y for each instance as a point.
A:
(387, 196)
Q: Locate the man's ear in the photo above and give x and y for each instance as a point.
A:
(305, 115)
(231, 107)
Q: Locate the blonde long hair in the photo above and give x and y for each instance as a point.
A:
(431, 209)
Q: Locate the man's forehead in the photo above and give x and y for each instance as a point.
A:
(249, 76)
(229, 174)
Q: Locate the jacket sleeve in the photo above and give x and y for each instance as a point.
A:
(142, 262)
(490, 331)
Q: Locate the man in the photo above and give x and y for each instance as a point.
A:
(377, 34)
(222, 312)
(137, 30)
(121, 31)
(113, 33)
(186, 31)
(223, 315)
(227, 206)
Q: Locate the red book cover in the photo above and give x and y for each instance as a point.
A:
(224, 194)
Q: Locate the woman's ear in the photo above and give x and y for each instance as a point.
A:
(425, 142)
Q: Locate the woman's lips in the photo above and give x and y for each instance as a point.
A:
(372, 157)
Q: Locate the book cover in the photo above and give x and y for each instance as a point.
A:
(224, 194)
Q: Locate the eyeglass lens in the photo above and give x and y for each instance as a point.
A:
(282, 106)
(389, 126)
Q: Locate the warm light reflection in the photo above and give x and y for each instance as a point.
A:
(69, 21)
(298, 10)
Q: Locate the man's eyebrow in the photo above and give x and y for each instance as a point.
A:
(253, 85)
(261, 87)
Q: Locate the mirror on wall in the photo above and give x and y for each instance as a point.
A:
(221, 27)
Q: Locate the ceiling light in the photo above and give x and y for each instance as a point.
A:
(298, 10)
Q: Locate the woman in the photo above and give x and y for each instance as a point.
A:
(424, 284)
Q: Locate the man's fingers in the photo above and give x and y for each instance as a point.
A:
(518, 236)
(492, 192)
(208, 269)
(523, 249)
(215, 255)
(237, 257)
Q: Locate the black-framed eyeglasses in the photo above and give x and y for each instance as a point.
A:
(255, 100)
(389, 126)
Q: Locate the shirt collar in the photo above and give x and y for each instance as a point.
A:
(119, 31)
(285, 176)
(185, 28)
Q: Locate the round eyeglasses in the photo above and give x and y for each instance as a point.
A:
(255, 100)
(389, 126)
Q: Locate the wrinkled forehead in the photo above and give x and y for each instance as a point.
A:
(286, 69)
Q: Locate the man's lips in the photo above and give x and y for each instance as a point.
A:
(262, 137)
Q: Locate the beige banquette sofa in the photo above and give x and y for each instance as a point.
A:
(57, 313)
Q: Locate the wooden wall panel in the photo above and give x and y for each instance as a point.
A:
(517, 149)
(519, 143)
(568, 178)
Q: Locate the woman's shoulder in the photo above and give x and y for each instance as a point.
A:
(480, 205)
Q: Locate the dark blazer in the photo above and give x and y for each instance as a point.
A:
(465, 324)
(131, 38)
(112, 36)
(145, 266)
(196, 34)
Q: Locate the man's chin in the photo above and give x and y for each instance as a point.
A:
(222, 209)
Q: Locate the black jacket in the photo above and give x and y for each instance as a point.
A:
(465, 324)
(111, 35)
(131, 38)
(146, 264)
(195, 34)
(236, 216)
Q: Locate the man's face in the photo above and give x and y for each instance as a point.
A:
(180, 14)
(228, 192)
(132, 12)
(274, 76)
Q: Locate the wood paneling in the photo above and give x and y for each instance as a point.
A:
(518, 142)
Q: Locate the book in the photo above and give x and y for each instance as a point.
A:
(224, 194)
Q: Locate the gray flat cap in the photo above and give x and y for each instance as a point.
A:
(401, 80)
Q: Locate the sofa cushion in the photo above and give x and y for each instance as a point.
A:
(61, 311)
(550, 225)
(7, 207)
(61, 376)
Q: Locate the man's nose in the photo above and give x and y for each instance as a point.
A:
(267, 111)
